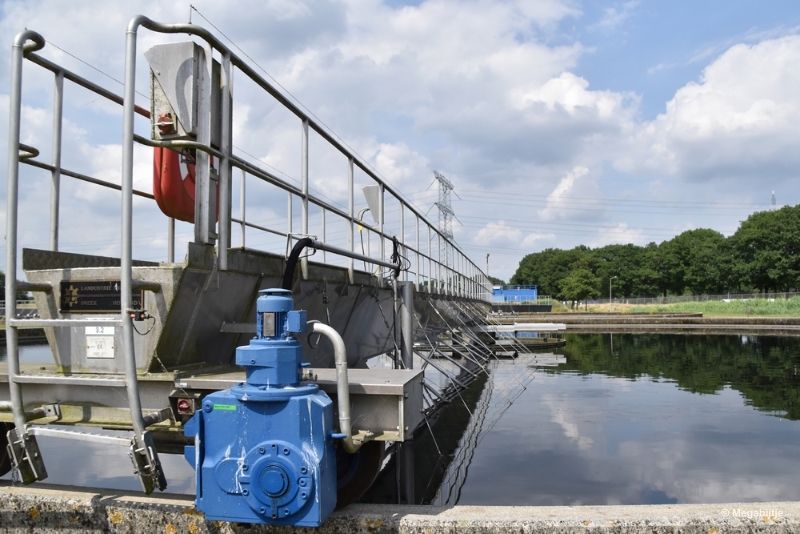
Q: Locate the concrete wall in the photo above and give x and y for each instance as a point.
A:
(50, 509)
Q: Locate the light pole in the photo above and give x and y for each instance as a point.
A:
(487, 264)
(609, 288)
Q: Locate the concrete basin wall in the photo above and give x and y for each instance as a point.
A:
(51, 509)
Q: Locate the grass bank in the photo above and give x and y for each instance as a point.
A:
(757, 307)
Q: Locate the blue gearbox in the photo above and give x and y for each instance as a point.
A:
(263, 450)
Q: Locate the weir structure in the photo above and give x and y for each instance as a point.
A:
(137, 345)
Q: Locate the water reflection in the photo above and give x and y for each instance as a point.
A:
(33, 353)
(764, 369)
(656, 419)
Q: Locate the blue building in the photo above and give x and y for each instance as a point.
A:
(518, 294)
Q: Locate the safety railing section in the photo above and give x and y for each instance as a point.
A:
(426, 248)
(434, 263)
(24, 451)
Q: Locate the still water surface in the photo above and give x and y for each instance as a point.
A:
(629, 419)
(626, 419)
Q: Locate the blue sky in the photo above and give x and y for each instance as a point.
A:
(560, 122)
(654, 48)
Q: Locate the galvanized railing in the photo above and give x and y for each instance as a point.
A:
(449, 271)
(424, 246)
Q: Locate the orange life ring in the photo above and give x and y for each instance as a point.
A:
(173, 184)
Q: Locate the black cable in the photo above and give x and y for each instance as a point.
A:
(396, 257)
(133, 324)
(291, 262)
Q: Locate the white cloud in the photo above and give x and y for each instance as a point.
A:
(497, 233)
(533, 238)
(619, 234)
(738, 122)
(577, 189)
(616, 15)
(560, 414)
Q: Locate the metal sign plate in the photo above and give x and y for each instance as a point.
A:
(96, 296)
(100, 347)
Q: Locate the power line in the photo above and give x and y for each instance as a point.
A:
(516, 195)
(298, 102)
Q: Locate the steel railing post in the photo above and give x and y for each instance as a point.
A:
(403, 234)
(322, 213)
(225, 175)
(12, 198)
(55, 191)
(289, 215)
(407, 324)
(430, 260)
(205, 190)
(417, 278)
(304, 189)
(381, 207)
(171, 240)
(143, 452)
(242, 206)
(351, 213)
(439, 262)
(127, 233)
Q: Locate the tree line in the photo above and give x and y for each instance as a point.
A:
(763, 255)
(762, 369)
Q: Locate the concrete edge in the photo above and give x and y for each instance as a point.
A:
(50, 509)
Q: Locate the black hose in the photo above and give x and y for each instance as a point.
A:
(396, 256)
(291, 263)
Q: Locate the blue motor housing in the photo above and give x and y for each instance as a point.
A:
(263, 449)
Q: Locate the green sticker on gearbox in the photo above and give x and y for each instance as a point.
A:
(225, 407)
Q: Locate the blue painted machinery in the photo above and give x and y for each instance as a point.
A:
(264, 449)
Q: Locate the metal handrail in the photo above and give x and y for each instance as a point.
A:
(434, 270)
(476, 279)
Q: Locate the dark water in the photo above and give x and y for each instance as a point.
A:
(656, 419)
(92, 465)
(37, 353)
(631, 419)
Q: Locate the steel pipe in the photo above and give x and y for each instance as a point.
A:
(225, 174)
(319, 245)
(342, 382)
(55, 190)
(20, 47)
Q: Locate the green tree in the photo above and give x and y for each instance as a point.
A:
(631, 265)
(21, 295)
(580, 284)
(767, 249)
(546, 269)
(703, 260)
(496, 281)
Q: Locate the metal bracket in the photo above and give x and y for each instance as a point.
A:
(289, 245)
(164, 414)
(46, 410)
(146, 464)
(25, 457)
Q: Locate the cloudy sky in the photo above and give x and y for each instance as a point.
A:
(560, 122)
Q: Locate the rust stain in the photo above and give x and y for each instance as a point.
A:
(373, 524)
(115, 517)
(193, 528)
(171, 529)
(34, 513)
